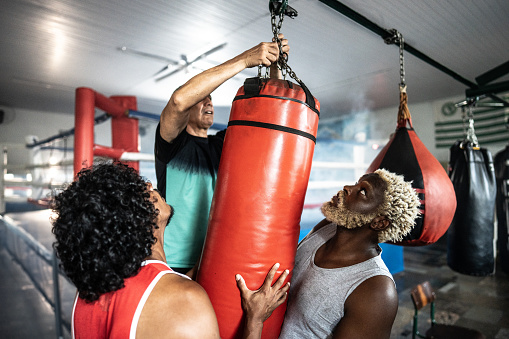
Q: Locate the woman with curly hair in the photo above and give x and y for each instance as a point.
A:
(109, 228)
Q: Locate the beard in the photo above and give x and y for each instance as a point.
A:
(344, 217)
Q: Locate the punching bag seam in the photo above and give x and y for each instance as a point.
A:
(272, 126)
(240, 97)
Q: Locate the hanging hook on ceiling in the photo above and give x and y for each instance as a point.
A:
(397, 38)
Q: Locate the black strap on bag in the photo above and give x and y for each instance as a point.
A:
(253, 86)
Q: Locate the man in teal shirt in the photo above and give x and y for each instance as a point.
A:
(187, 158)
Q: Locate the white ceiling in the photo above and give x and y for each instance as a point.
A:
(50, 47)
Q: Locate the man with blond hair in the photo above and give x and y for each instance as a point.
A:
(341, 288)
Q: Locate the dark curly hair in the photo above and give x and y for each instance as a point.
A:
(103, 227)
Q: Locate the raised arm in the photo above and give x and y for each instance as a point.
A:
(175, 115)
(369, 311)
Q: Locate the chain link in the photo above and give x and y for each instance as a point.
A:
(283, 56)
(401, 60)
(469, 131)
(397, 37)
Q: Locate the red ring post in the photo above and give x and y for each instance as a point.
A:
(124, 130)
(84, 128)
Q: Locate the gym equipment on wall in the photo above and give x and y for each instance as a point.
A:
(470, 237)
(502, 177)
(259, 195)
(405, 154)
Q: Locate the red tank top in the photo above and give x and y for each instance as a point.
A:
(116, 314)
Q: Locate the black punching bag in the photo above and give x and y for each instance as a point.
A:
(502, 175)
(471, 234)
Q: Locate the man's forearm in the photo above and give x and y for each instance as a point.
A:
(203, 84)
(252, 330)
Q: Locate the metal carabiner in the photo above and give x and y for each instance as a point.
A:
(277, 7)
(280, 7)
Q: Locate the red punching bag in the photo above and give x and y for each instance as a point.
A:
(405, 154)
(259, 195)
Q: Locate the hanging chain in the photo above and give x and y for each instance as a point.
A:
(401, 60)
(398, 38)
(276, 28)
(470, 130)
(267, 72)
(276, 23)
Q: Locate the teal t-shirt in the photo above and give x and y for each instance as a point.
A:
(185, 235)
(186, 170)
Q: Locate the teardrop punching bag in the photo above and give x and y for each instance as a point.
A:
(502, 176)
(259, 195)
(470, 237)
(405, 154)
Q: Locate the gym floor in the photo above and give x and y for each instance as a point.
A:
(481, 303)
(476, 302)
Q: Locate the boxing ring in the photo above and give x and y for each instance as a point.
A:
(31, 171)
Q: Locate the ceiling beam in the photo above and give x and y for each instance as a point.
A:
(493, 88)
(384, 33)
(493, 74)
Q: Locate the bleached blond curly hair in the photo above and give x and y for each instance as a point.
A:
(400, 206)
